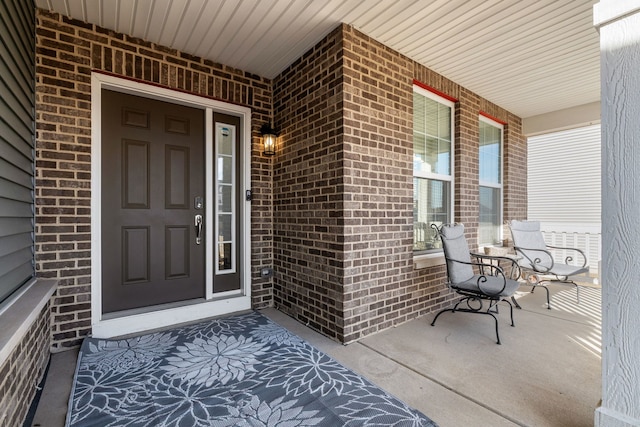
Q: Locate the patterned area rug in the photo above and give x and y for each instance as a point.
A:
(242, 370)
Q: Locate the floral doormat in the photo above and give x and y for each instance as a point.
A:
(242, 370)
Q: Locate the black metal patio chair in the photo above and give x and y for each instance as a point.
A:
(478, 281)
(536, 258)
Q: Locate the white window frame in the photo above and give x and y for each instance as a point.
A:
(499, 186)
(435, 257)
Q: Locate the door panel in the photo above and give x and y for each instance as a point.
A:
(152, 171)
(177, 252)
(177, 177)
(135, 177)
(135, 251)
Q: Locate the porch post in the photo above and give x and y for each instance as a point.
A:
(618, 22)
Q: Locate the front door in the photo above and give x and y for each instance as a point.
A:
(153, 206)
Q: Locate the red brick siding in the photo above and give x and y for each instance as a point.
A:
(67, 52)
(21, 372)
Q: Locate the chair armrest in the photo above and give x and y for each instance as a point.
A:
(569, 258)
(511, 261)
(495, 270)
(536, 262)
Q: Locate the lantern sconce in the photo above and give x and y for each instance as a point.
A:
(269, 135)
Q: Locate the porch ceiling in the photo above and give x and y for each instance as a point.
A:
(530, 57)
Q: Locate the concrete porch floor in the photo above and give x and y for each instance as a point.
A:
(547, 372)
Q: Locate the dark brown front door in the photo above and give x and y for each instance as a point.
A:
(152, 180)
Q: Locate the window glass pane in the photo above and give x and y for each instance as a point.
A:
(443, 162)
(490, 201)
(418, 111)
(420, 154)
(431, 148)
(490, 153)
(444, 122)
(432, 136)
(431, 117)
(431, 204)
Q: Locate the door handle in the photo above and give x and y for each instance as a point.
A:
(198, 224)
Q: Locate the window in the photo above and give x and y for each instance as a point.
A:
(490, 158)
(433, 118)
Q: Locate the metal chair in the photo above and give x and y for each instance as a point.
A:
(477, 281)
(537, 258)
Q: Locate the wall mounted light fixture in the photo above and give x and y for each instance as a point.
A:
(269, 135)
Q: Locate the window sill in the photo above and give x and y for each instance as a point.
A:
(428, 260)
(17, 318)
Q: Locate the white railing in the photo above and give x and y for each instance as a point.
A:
(590, 243)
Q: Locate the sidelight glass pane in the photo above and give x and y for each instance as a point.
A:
(225, 216)
(225, 204)
(225, 140)
(224, 260)
(225, 169)
(224, 228)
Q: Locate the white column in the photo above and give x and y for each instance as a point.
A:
(618, 22)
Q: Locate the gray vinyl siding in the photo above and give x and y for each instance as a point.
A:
(17, 136)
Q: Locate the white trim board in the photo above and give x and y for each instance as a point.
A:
(211, 305)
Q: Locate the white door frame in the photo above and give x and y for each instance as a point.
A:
(133, 321)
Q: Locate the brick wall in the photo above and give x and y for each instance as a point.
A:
(343, 186)
(378, 147)
(67, 52)
(333, 207)
(515, 171)
(309, 189)
(23, 370)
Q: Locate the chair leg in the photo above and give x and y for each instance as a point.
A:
(548, 300)
(511, 310)
(439, 313)
(478, 311)
(565, 280)
(546, 289)
(497, 333)
(513, 298)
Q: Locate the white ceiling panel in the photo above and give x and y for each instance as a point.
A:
(530, 57)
